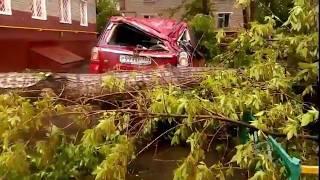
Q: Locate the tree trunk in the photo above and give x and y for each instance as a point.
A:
(252, 10)
(205, 7)
(76, 86)
(245, 18)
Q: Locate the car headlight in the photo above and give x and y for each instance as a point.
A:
(183, 59)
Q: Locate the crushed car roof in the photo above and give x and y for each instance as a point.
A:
(160, 27)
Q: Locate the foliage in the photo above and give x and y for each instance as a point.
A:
(195, 7)
(202, 23)
(262, 80)
(192, 8)
(192, 168)
(279, 9)
(293, 48)
(203, 27)
(257, 156)
(283, 58)
(104, 150)
(45, 151)
(105, 9)
(112, 84)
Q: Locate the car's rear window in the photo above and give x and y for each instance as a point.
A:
(126, 35)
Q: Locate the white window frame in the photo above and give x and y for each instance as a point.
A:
(69, 21)
(7, 6)
(149, 1)
(84, 14)
(43, 8)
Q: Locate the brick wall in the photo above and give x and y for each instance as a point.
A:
(157, 7)
(53, 8)
(139, 8)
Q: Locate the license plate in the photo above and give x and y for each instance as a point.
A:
(135, 60)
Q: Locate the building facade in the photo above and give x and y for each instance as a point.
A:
(46, 34)
(226, 14)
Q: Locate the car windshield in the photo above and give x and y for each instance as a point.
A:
(126, 35)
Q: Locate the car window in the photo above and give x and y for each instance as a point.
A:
(103, 37)
(127, 35)
(185, 36)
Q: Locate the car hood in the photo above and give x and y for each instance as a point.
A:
(166, 29)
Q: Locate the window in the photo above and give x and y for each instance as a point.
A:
(5, 7)
(148, 16)
(83, 13)
(149, 1)
(185, 36)
(65, 11)
(223, 20)
(39, 10)
(127, 35)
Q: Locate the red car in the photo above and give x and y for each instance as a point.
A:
(137, 43)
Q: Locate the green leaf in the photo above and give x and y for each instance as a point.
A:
(220, 147)
(309, 117)
(176, 140)
(259, 113)
(221, 176)
(242, 3)
(220, 35)
(291, 129)
(306, 65)
(107, 126)
(258, 175)
(308, 90)
(304, 52)
(230, 172)
(306, 119)
(182, 106)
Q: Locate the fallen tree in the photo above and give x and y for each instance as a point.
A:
(193, 103)
(75, 86)
(172, 109)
